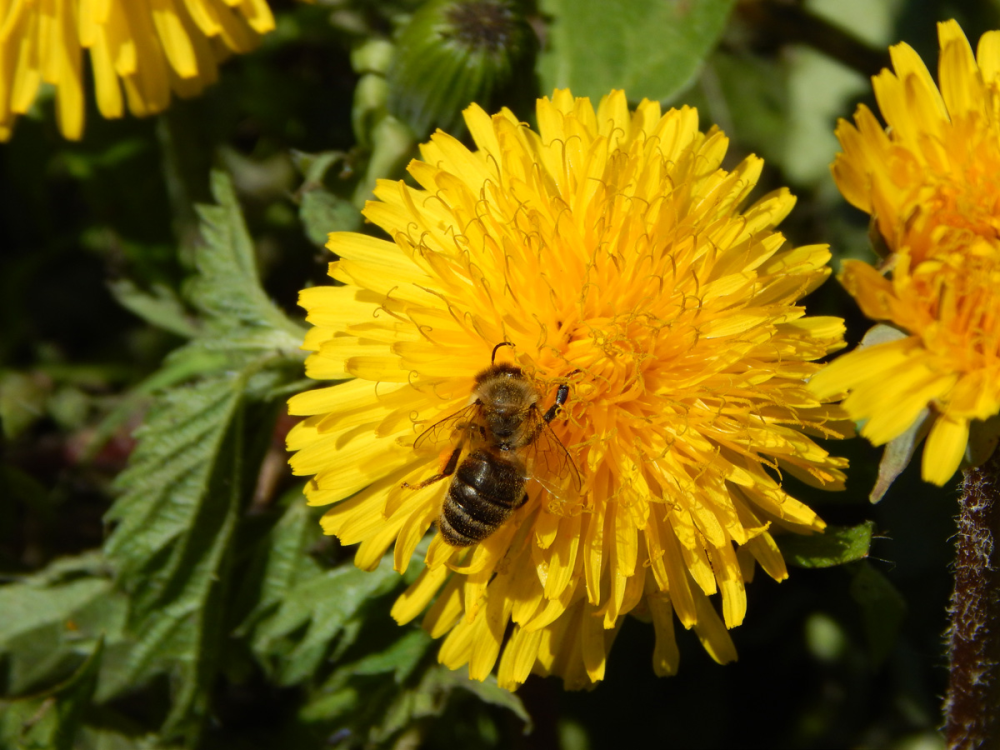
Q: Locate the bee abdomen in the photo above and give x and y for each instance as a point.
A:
(484, 493)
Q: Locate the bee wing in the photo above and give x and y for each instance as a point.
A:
(551, 465)
(450, 430)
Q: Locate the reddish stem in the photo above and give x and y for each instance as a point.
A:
(972, 706)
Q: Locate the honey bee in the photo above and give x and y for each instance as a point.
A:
(507, 440)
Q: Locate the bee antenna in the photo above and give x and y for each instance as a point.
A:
(496, 348)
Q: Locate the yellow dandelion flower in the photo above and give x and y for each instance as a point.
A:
(610, 251)
(149, 47)
(930, 181)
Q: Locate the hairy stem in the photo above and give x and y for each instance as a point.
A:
(972, 706)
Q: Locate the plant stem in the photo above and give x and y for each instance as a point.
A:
(972, 706)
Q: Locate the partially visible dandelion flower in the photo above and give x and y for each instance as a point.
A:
(148, 47)
(616, 256)
(931, 180)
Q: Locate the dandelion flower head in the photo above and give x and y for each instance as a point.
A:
(931, 180)
(149, 48)
(617, 257)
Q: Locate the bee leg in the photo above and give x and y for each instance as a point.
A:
(449, 469)
(561, 395)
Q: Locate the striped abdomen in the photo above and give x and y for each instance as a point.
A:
(484, 493)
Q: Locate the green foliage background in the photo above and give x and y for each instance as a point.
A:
(162, 583)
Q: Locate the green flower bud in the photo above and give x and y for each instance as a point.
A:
(455, 52)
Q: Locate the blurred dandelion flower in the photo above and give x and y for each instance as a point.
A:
(149, 47)
(610, 249)
(931, 180)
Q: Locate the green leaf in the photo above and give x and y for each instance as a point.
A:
(400, 659)
(323, 604)
(649, 48)
(370, 712)
(50, 721)
(489, 691)
(170, 470)
(177, 369)
(182, 494)
(323, 212)
(747, 96)
(822, 89)
(227, 287)
(392, 147)
(103, 738)
(836, 546)
(51, 619)
(279, 561)
(193, 470)
(313, 167)
(162, 308)
(883, 609)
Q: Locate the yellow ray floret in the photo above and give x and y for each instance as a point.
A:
(931, 181)
(617, 257)
(148, 48)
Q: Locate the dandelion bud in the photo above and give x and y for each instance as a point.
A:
(454, 52)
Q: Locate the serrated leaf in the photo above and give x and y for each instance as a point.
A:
(50, 721)
(169, 471)
(836, 546)
(182, 493)
(324, 604)
(280, 560)
(181, 366)
(649, 48)
(883, 609)
(191, 471)
(227, 287)
(162, 308)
